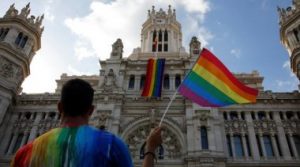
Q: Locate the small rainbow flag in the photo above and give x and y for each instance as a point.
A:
(154, 76)
(211, 84)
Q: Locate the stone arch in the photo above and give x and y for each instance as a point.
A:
(136, 133)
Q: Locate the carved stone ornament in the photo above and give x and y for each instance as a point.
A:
(117, 49)
(264, 126)
(109, 83)
(235, 126)
(10, 71)
(172, 146)
(100, 118)
(292, 126)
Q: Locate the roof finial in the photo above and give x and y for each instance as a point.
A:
(169, 10)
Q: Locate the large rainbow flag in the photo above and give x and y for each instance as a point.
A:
(211, 84)
(154, 76)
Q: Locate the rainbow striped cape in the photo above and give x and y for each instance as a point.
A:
(154, 76)
(211, 84)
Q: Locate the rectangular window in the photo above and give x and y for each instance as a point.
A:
(239, 152)
(159, 48)
(204, 139)
(268, 146)
(165, 47)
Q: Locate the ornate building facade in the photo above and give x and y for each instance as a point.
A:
(262, 134)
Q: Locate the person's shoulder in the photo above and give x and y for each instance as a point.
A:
(22, 155)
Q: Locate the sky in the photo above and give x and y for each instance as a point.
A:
(243, 34)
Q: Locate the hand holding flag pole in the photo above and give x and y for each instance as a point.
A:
(210, 84)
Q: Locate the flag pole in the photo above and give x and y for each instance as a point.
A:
(174, 95)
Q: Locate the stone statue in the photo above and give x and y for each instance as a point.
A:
(117, 49)
(194, 46)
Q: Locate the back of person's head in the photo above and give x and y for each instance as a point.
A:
(76, 97)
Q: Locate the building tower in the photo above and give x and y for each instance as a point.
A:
(20, 38)
(290, 33)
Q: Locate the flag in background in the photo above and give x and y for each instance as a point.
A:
(154, 76)
(155, 43)
(211, 84)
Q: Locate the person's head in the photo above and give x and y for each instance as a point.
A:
(76, 98)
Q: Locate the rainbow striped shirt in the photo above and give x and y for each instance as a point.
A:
(82, 146)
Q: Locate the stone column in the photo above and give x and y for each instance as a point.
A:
(262, 144)
(34, 130)
(115, 119)
(274, 145)
(232, 145)
(246, 154)
(252, 137)
(6, 139)
(172, 81)
(12, 143)
(190, 129)
(239, 115)
(294, 149)
(137, 82)
(4, 103)
(281, 137)
(24, 138)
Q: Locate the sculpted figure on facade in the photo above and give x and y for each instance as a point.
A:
(117, 49)
(195, 45)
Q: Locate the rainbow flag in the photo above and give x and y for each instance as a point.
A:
(211, 84)
(154, 76)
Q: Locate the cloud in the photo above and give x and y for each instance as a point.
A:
(292, 81)
(123, 19)
(287, 66)
(48, 15)
(236, 53)
(74, 71)
(82, 50)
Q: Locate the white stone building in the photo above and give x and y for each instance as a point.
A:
(263, 134)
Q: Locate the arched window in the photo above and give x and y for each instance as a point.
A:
(154, 41)
(143, 78)
(204, 138)
(142, 151)
(261, 115)
(131, 82)
(165, 41)
(297, 143)
(23, 42)
(19, 38)
(159, 41)
(268, 146)
(296, 34)
(160, 152)
(3, 33)
(233, 115)
(289, 115)
(177, 80)
(166, 82)
(27, 115)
